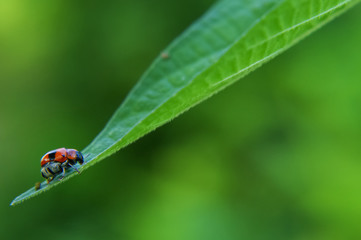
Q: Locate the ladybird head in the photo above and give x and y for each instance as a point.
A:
(79, 157)
(75, 156)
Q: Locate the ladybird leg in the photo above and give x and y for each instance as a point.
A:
(62, 173)
(49, 179)
(74, 168)
(63, 167)
(65, 164)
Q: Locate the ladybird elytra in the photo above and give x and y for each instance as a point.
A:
(58, 155)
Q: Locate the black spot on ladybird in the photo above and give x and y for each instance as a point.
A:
(52, 155)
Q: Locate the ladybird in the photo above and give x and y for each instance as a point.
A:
(57, 161)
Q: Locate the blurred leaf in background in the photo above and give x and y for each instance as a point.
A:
(274, 157)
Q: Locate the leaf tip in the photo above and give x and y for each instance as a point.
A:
(14, 202)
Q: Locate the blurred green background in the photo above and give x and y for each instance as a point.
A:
(274, 156)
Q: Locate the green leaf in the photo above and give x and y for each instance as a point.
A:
(233, 38)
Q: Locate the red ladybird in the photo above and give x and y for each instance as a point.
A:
(57, 161)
